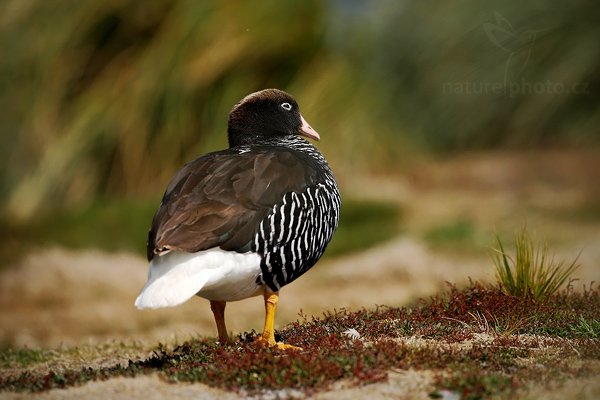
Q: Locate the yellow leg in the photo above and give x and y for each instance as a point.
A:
(218, 309)
(268, 336)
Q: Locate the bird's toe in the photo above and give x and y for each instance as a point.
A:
(285, 346)
(264, 342)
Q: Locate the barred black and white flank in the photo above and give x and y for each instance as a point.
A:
(247, 220)
(294, 235)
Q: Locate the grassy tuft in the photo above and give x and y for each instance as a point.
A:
(587, 327)
(531, 273)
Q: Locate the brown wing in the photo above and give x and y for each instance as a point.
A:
(219, 199)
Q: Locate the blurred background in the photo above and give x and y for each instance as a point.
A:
(444, 123)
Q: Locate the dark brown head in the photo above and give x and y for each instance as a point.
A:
(270, 113)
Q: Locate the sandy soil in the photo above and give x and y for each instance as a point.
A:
(143, 387)
(401, 385)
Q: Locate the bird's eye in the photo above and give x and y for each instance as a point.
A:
(287, 106)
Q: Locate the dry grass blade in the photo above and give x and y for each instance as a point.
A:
(491, 325)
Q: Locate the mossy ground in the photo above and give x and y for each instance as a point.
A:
(477, 341)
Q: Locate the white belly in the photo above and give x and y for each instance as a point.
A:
(234, 279)
(214, 274)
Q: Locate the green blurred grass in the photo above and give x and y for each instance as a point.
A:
(460, 235)
(364, 224)
(458, 231)
(115, 225)
(93, 94)
(110, 225)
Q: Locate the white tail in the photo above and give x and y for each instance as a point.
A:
(173, 278)
(177, 276)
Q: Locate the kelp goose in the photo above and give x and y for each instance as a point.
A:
(247, 220)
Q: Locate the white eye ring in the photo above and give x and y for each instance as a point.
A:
(286, 106)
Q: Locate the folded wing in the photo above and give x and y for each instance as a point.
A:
(220, 199)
